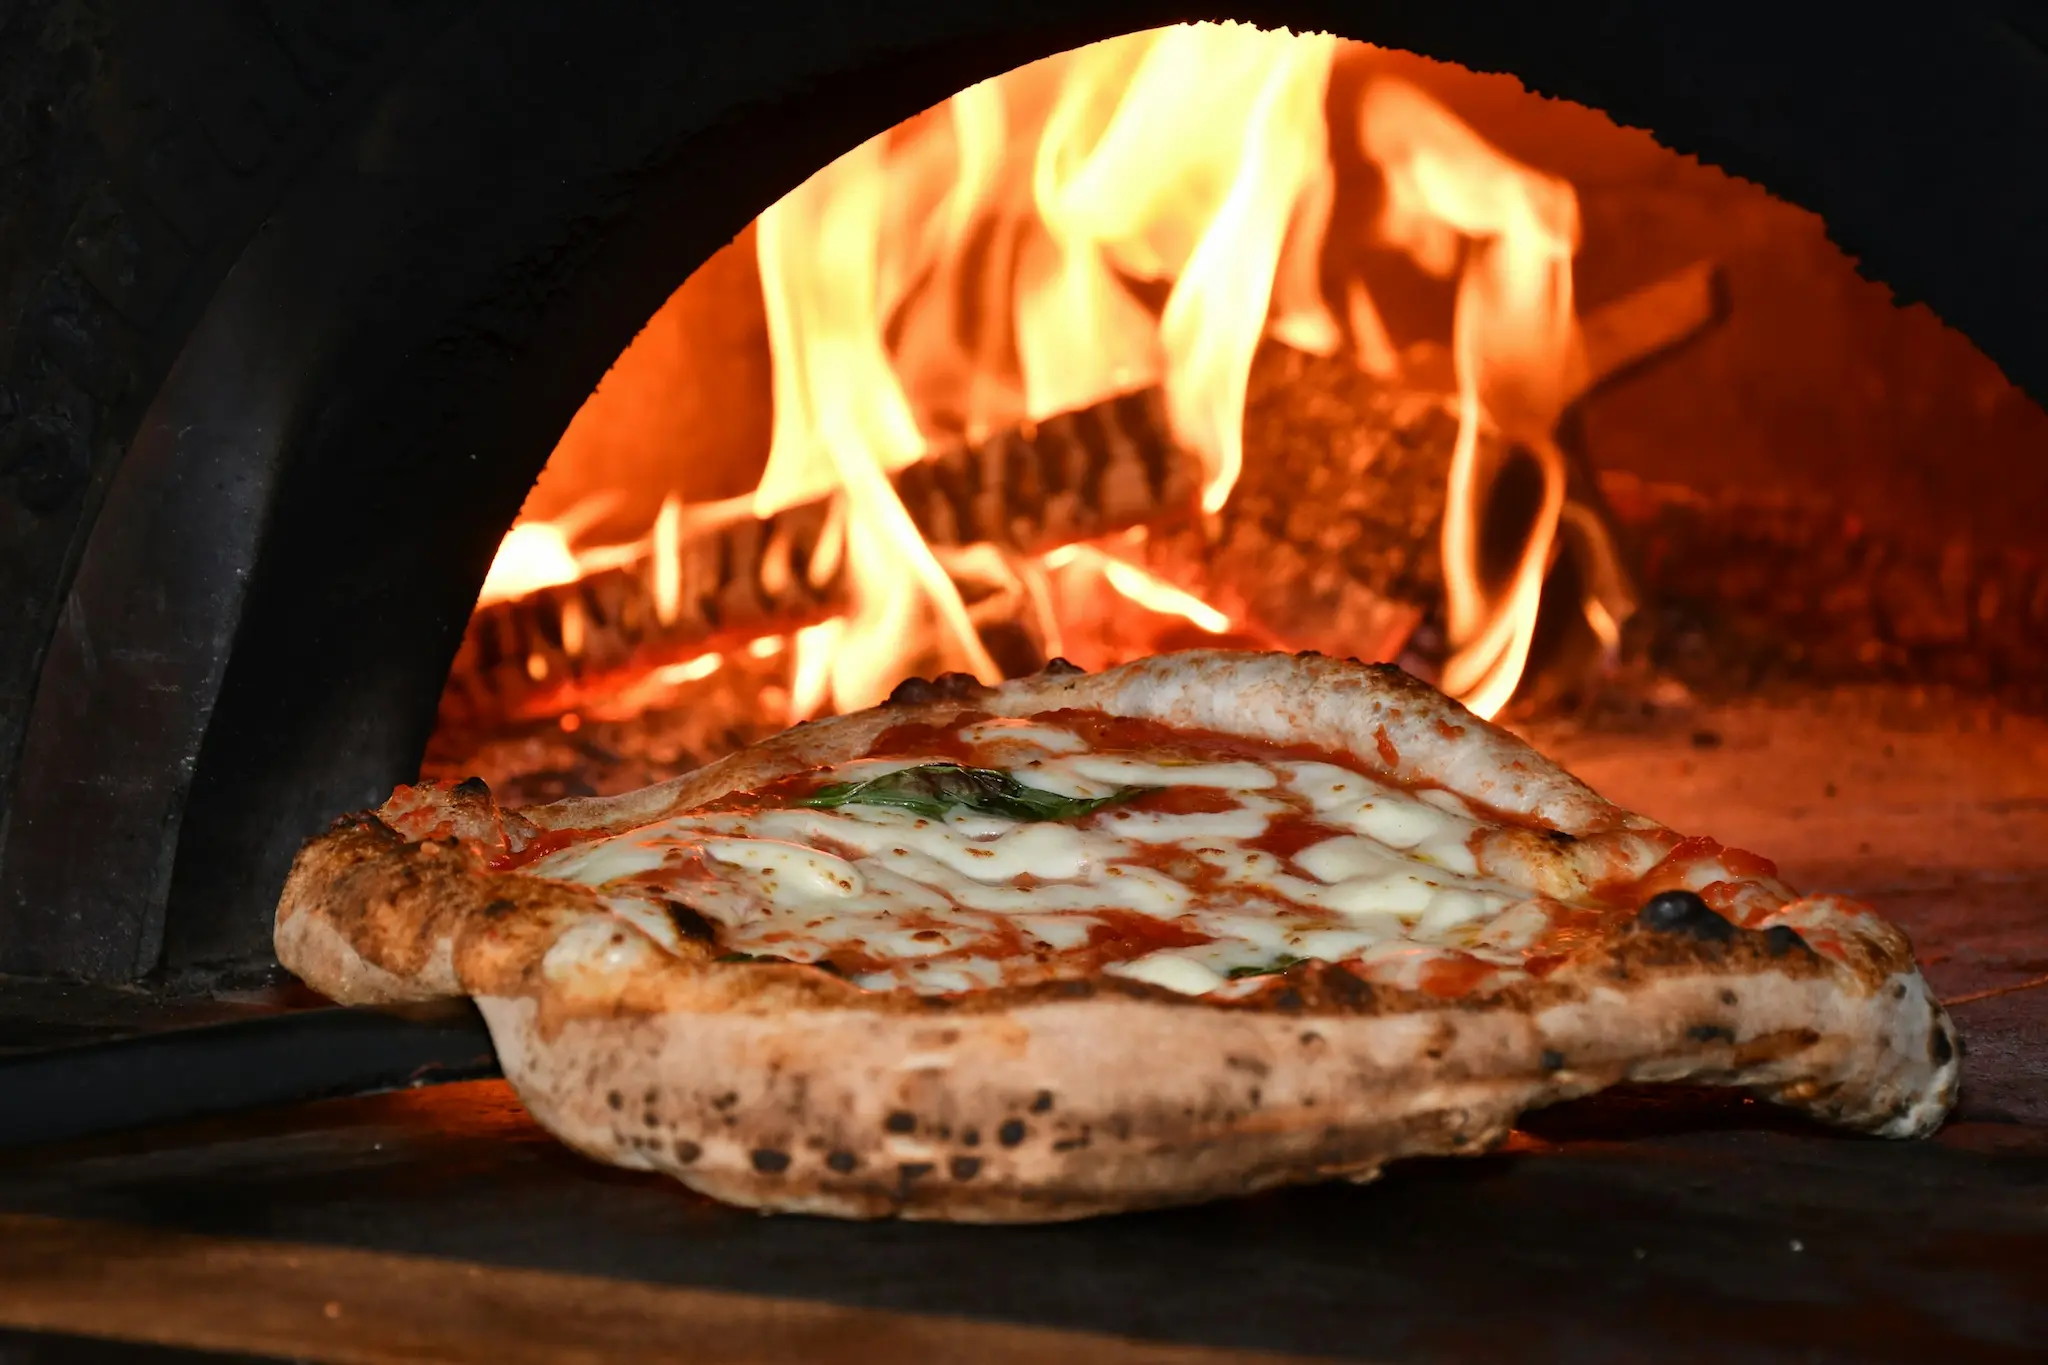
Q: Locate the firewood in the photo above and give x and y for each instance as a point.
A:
(1329, 541)
(1073, 477)
(537, 655)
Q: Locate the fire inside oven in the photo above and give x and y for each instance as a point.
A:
(1200, 336)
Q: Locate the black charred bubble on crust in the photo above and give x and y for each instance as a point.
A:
(842, 1162)
(366, 820)
(769, 1160)
(1683, 912)
(945, 687)
(472, 786)
(1781, 939)
(1057, 667)
(689, 923)
(1710, 1033)
(900, 1121)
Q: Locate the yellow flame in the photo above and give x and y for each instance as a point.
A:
(985, 265)
(842, 423)
(533, 555)
(1514, 344)
(689, 670)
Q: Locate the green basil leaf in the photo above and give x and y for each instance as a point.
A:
(1273, 968)
(935, 789)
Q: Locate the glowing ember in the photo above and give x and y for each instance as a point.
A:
(988, 265)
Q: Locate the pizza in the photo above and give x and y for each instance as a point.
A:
(1198, 925)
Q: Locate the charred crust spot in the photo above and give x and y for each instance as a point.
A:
(1710, 1033)
(1080, 1139)
(965, 1167)
(1562, 838)
(687, 1151)
(842, 1162)
(1435, 1054)
(1781, 939)
(1309, 1038)
(726, 1101)
(945, 687)
(1011, 1133)
(1683, 912)
(651, 1119)
(1552, 1059)
(1288, 1001)
(1251, 1065)
(970, 1137)
(1041, 1102)
(769, 1160)
(498, 906)
(689, 923)
(912, 692)
(360, 819)
(1728, 997)
(900, 1121)
(472, 786)
(912, 1171)
(1061, 668)
(1898, 990)
(1941, 1048)
(616, 1100)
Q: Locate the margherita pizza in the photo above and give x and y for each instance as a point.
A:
(1194, 926)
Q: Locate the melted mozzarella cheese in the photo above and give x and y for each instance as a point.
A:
(968, 901)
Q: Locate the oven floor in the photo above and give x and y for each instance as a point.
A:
(442, 1223)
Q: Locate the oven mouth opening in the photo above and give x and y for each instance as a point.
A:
(1205, 336)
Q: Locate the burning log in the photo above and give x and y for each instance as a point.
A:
(539, 654)
(1076, 476)
(1331, 539)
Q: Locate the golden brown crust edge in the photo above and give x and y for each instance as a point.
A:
(783, 1088)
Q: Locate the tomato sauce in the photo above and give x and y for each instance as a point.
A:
(1112, 734)
(550, 841)
(1289, 832)
(1451, 977)
(1125, 934)
(1185, 801)
(940, 743)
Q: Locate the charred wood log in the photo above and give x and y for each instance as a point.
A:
(1329, 541)
(1077, 476)
(538, 654)
(1073, 477)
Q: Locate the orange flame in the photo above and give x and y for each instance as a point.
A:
(986, 264)
(1514, 342)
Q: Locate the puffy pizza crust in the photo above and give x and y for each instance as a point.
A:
(780, 1087)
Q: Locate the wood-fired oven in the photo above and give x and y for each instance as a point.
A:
(566, 395)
